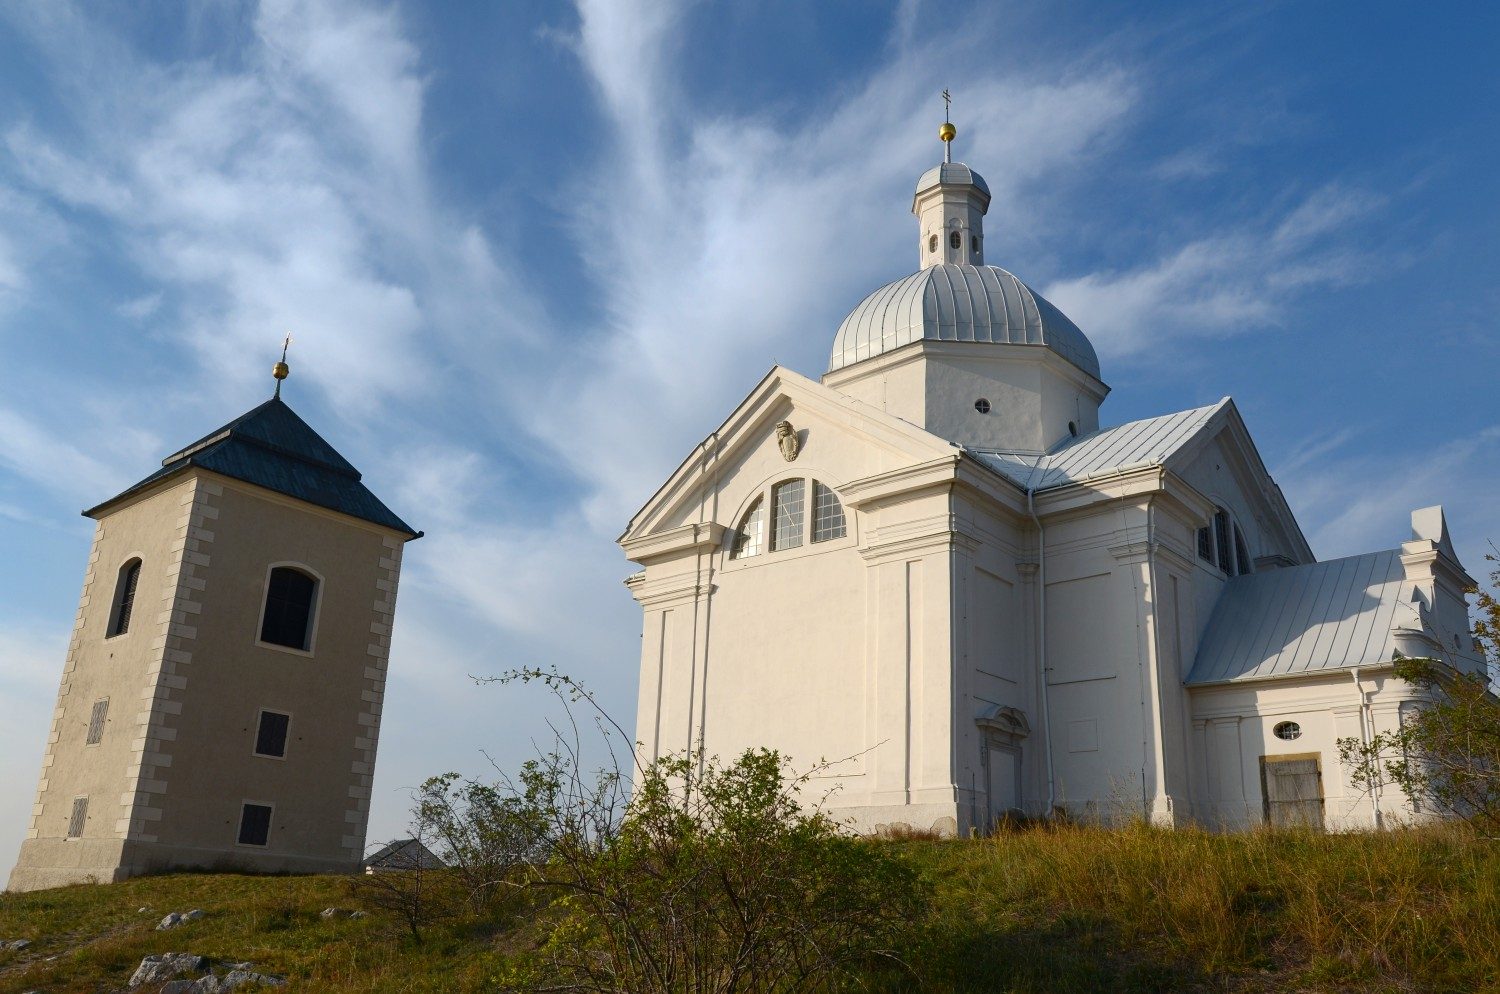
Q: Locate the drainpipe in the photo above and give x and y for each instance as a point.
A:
(1041, 637)
(1366, 731)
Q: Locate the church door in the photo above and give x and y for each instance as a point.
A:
(1004, 767)
(1293, 789)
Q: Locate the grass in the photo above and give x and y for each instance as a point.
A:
(1040, 910)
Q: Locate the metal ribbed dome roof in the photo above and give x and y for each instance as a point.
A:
(947, 303)
(953, 174)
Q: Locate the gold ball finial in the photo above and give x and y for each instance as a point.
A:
(947, 132)
(281, 370)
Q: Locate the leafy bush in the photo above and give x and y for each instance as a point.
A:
(718, 879)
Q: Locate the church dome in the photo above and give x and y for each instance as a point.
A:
(953, 303)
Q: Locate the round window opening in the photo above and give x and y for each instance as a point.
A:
(955, 240)
(1287, 730)
(982, 406)
(1073, 428)
(974, 242)
(932, 244)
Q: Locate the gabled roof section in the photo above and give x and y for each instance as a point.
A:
(271, 447)
(1302, 619)
(1137, 444)
(740, 429)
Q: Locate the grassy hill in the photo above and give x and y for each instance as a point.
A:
(1071, 909)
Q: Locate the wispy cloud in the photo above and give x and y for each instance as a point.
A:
(1240, 279)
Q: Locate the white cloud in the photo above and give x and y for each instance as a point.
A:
(1355, 501)
(1227, 283)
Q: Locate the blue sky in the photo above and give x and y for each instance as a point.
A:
(531, 253)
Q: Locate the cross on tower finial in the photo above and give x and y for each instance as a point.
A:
(281, 370)
(947, 131)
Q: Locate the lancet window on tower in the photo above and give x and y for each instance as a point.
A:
(119, 615)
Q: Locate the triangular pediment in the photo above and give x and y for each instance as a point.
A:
(1222, 463)
(839, 438)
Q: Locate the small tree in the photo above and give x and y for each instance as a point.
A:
(1446, 754)
(490, 835)
(719, 879)
(415, 894)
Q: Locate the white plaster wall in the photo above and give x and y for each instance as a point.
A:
(1233, 729)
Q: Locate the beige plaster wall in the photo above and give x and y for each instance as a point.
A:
(124, 669)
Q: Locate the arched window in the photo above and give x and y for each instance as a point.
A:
(749, 538)
(828, 514)
(1222, 544)
(1241, 552)
(787, 511)
(955, 240)
(289, 608)
(119, 614)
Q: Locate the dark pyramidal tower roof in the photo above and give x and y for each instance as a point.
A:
(271, 447)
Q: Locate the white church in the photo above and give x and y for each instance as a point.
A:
(933, 569)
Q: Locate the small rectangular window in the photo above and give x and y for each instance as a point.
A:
(96, 721)
(255, 824)
(79, 817)
(270, 737)
(786, 509)
(1206, 545)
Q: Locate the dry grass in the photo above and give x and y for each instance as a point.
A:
(1033, 910)
(1076, 908)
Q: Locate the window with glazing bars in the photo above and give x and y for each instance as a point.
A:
(96, 722)
(1221, 543)
(828, 514)
(1206, 544)
(786, 509)
(79, 817)
(1241, 552)
(130, 577)
(750, 537)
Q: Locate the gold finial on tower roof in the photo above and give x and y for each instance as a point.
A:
(281, 370)
(947, 132)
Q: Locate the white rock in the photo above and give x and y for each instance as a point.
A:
(167, 966)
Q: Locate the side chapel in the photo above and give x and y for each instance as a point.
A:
(934, 569)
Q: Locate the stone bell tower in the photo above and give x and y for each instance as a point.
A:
(221, 697)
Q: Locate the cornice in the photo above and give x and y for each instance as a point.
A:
(860, 494)
(675, 589)
(704, 535)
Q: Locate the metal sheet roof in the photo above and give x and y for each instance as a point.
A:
(271, 447)
(1302, 619)
(1110, 450)
(952, 173)
(948, 303)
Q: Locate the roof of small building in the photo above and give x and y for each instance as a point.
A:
(271, 447)
(404, 854)
(1107, 451)
(1302, 619)
(949, 303)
